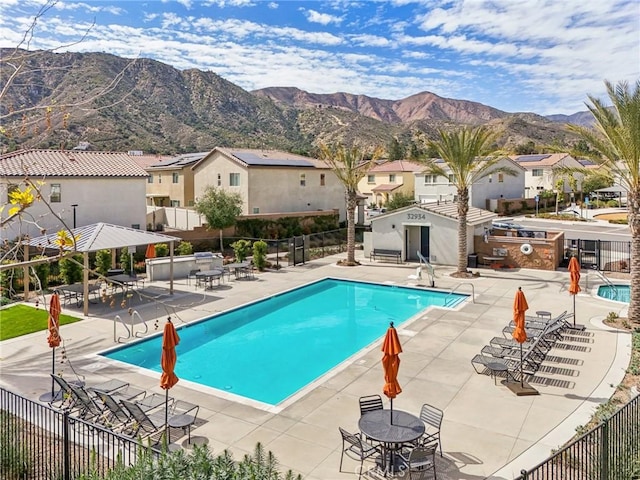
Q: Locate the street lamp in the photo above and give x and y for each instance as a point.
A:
(74, 214)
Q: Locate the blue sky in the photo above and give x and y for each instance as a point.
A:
(541, 56)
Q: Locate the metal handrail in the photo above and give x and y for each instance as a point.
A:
(117, 340)
(453, 290)
(607, 282)
(430, 270)
(130, 330)
(146, 327)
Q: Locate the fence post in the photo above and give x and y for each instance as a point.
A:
(604, 450)
(523, 475)
(65, 446)
(277, 253)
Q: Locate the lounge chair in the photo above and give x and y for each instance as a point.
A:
(116, 416)
(357, 448)
(88, 409)
(143, 422)
(63, 398)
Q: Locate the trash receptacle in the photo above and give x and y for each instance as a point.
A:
(472, 261)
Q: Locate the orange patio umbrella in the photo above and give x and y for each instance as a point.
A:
(168, 360)
(54, 333)
(574, 287)
(391, 363)
(520, 306)
(151, 251)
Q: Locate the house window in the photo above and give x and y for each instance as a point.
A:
(175, 203)
(501, 178)
(150, 179)
(392, 178)
(234, 179)
(536, 172)
(303, 179)
(322, 179)
(256, 210)
(429, 179)
(56, 193)
(371, 179)
(219, 179)
(136, 226)
(191, 203)
(175, 177)
(451, 179)
(490, 177)
(159, 178)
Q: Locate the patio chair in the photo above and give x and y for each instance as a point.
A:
(432, 419)
(420, 459)
(192, 276)
(357, 448)
(369, 403)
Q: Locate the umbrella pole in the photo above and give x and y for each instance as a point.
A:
(166, 416)
(53, 370)
(521, 369)
(391, 413)
(574, 311)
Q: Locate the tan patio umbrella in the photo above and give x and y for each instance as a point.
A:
(574, 287)
(391, 363)
(168, 360)
(520, 306)
(54, 333)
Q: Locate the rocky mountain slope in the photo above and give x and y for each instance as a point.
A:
(119, 104)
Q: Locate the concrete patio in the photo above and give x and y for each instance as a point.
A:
(487, 431)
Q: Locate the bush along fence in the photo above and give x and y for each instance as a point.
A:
(609, 451)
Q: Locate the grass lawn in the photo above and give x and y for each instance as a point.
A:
(22, 319)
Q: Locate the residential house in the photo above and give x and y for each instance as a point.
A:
(387, 179)
(170, 182)
(80, 187)
(541, 171)
(433, 188)
(271, 181)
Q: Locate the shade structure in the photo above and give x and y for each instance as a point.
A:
(574, 286)
(391, 364)
(168, 360)
(520, 306)
(151, 251)
(54, 333)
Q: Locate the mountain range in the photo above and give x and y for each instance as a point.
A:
(60, 99)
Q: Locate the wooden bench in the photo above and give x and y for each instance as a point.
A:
(385, 253)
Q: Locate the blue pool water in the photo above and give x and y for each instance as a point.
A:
(270, 349)
(619, 293)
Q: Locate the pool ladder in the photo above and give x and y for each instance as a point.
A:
(130, 330)
(453, 290)
(614, 290)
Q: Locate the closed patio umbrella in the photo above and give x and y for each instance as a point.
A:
(391, 363)
(574, 287)
(168, 360)
(519, 334)
(54, 333)
(151, 251)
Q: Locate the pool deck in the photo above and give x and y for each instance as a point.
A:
(487, 432)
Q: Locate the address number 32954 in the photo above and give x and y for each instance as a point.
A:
(416, 216)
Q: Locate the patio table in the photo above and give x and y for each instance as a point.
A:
(208, 276)
(76, 291)
(237, 267)
(379, 426)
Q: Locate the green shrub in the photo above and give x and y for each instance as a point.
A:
(14, 455)
(42, 271)
(260, 254)
(241, 249)
(185, 248)
(71, 270)
(162, 250)
(103, 261)
(125, 260)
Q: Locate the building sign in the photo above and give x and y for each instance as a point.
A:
(416, 216)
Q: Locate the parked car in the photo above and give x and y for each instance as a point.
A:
(507, 226)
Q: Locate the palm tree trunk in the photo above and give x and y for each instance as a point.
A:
(463, 209)
(351, 227)
(634, 225)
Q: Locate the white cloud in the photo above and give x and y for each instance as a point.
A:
(228, 3)
(89, 8)
(321, 18)
(273, 5)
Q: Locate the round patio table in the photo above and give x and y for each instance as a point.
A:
(391, 429)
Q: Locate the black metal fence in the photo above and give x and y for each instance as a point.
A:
(610, 451)
(39, 442)
(603, 255)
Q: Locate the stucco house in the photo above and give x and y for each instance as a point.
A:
(433, 188)
(170, 182)
(271, 181)
(387, 179)
(540, 174)
(430, 228)
(81, 187)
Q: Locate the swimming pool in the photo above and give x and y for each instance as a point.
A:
(619, 293)
(270, 349)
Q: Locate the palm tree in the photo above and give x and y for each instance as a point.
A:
(617, 137)
(350, 166)
(469, 155)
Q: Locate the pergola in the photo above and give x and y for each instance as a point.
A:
(95, 237)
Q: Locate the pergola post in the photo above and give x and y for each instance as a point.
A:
(171, 243)
(85, 284)
(25, 274)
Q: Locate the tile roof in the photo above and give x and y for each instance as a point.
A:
(67, 163)
(475, 216)
(398, 166)
(387, 187)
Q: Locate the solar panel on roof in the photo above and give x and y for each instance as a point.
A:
(252, 159)
(532, 158)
